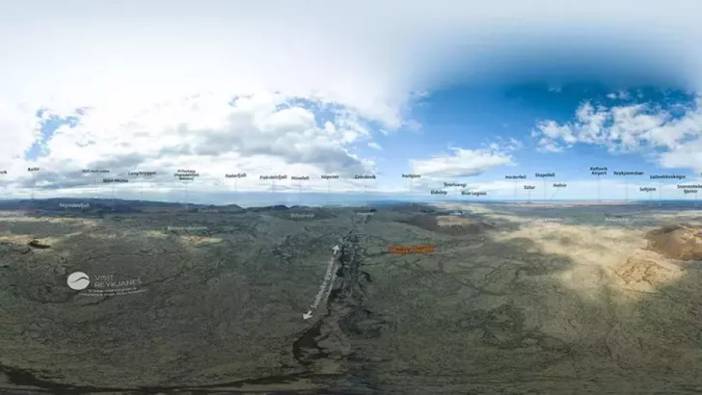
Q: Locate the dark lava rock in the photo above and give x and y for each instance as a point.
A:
(38, 244)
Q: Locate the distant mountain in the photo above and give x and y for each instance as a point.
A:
(96, 206)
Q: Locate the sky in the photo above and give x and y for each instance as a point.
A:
(458, 92)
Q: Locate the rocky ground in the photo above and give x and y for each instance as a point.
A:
(480, 298)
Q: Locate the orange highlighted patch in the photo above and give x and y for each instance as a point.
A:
(397, 249)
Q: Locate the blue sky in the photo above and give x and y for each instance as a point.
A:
(475, 116)
(47, 126)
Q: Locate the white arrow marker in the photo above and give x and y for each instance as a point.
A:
(328, 281)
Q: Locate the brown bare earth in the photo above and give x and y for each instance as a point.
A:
(677, 242)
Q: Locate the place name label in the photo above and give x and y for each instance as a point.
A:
(454, 184)
(274, 177)
(235, 175)
(689, 188)
(186, 228)
(473, 193)
(301, 216)
(544, 175)
(616, 219)
(32, 169)
(628, 173)
(560, 185)
(300, 178)
(667, 177)
(142, 173)
(438, 192)
(411, 175)
(186, 174)
(598, 170)
(516, 177)
(74, 205)
(548, 221)
(647, 189)
(529, 187)
(364, 177)
(3, 171)
(95, 171)
(330, 176)
(114, 180)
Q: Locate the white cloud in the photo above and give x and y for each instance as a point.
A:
(687, 155)
(86, 53)
(643, 127)
(461, 163)
(619, 95)
(18, 130)
(258, 134)
(375, 146)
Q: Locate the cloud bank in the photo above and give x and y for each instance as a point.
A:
(461, 163)
(672, 134)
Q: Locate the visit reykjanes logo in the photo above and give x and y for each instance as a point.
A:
(78, 281)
